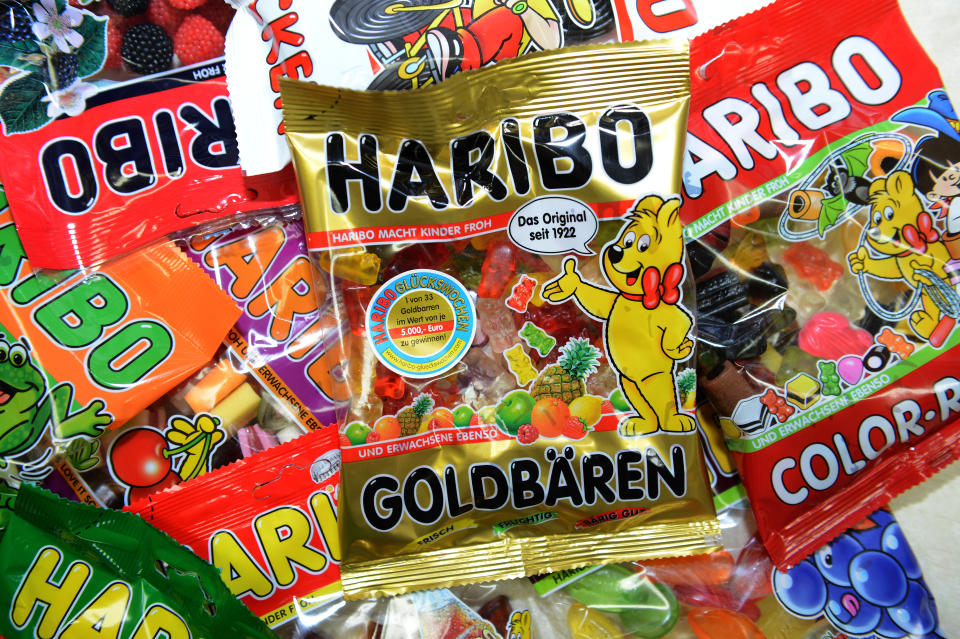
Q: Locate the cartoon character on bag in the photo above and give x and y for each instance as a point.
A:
(936, 167)
(500, 29)
(647, 331)
(27, 406)
(418, 42)
(146, 460)
(519, 625)
(902, 243)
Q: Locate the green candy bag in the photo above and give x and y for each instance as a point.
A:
(72, 571)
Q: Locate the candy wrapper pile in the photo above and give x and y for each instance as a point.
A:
(499, 319)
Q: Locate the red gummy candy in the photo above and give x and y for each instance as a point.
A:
(716, 597)
(831, 336)
(416, 256)
(777, 405)
(389, 384)
(813, 265)
(499, 266)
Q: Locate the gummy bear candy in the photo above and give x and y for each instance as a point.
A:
(520, 365)
(813, 265)
(777, 405)
(829, 378)
(896, 342)
(498, 267)
(535, 337)
(521, 294)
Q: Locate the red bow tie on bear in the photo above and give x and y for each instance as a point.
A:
(655, 289)
(918, 236)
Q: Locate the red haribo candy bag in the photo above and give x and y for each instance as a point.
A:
(823, 234)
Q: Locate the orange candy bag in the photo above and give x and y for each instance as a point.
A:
(84, 351)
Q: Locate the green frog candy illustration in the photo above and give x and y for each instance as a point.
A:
(26, 406)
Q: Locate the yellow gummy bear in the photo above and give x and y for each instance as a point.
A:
(520, 364)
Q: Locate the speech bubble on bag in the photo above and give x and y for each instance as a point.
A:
(554, 224)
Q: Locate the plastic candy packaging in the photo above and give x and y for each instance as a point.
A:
(362, 44)
(822, 236)
(288, 333)
(269, 525)
(865, 581)
(279, 374)
(83, 352)
(382, 44)
(480, 458)
(735, 592)
(105, 146)
(71, 569)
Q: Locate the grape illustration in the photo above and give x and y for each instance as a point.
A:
(895, 544)
(801, 589)
(833, 560)
(848, 611)
(870, 532)
(878, 578)
(867, 582)
(917, 614)
(888, 629)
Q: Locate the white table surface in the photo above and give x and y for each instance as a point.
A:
(930, 513)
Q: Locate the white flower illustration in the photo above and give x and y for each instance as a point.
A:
(58, 25)
(71, 100)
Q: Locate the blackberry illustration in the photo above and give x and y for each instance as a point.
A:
(128, 8)
(64, 69)
(146, 48)
(14, 22)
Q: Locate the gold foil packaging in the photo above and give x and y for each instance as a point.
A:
(510, 271)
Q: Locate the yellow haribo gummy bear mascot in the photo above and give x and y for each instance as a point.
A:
(646, 330)
(910, 249)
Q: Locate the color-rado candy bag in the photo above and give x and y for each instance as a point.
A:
(517, 409)
(821, 179)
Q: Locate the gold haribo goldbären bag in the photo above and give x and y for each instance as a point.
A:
(509, 258)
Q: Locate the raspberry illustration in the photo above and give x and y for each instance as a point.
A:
(219, 13)
(160, 12)
(188, 5)
(345, 441)
(128, 8)
(527, 434)
(373, 437)
(574, 428)
(114, 35)
(607, 407)
(146, 48)
(197, 40)
(14, 22)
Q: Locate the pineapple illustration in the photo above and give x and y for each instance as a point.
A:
(410, 416)
(565, 379)
(686, 383)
